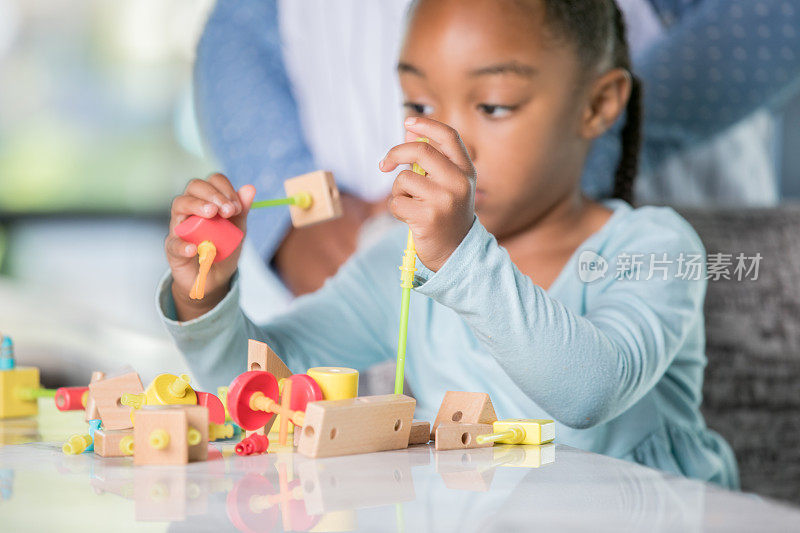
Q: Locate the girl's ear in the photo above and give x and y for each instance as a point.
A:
(608, 97)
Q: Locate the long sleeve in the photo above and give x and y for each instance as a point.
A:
(582, 369)
(246, 110)
(346, 323)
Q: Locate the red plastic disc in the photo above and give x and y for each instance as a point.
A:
(216, 411)
(239, 393)
(304, 389)
(243, 517)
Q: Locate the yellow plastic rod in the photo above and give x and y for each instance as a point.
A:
(407, 270)
(206, 252)
(513, 435)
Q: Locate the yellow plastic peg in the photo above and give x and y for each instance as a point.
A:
(206, 252)
(159, 439)
(520, 431)
(77, 444)
(168, 389)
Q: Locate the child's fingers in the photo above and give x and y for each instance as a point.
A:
(245, 196)
(225, 187)
(432, 160)
(409, 183)
(206, 191)
(177, 247)
(406, 209)
(447, 139)
(183, 206)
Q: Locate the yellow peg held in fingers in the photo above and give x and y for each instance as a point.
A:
(206, 252)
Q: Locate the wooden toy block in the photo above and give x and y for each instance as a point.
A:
(197, 418)
(261, 357)
(464, 408)
(91, 407)
(461, 436)
(11, 382)
(357, 425)
(420, 432)
(160, 436)
(326, 203)
(521, 431)
(107, 443)
(107, 394)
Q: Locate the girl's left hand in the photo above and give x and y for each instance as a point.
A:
(440, 207)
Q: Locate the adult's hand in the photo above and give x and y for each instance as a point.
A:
(308, 256)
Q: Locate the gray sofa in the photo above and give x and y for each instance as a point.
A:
(752, 382)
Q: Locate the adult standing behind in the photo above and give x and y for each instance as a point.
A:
(286, 86)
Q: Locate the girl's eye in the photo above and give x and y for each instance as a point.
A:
(496, 111)
(418, 109)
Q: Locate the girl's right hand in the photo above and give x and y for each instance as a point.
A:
(204, 198)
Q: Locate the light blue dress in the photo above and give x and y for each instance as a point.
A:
(617, 362)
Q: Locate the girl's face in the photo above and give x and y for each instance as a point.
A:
(490, 70)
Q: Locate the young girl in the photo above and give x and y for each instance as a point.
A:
(557, 306)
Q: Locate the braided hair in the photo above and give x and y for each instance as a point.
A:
(596, 29)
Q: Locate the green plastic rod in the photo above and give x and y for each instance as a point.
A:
(407, 270)
(32, 394)
(303, 200)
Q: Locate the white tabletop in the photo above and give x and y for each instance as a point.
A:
(505, 488)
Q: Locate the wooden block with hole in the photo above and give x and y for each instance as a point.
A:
(106, 394)
(106, 443)
(261, 357)
(461, 436)
(357, 425)
(162, 434)
(326, 204)
(464, 408)
(420, 432)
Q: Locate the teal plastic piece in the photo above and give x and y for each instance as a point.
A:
(94, 425)
(7, 354)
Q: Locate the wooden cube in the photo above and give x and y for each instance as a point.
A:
(420, 432)
(356, 425)
(107, 393)
(464, 408)
(11, 406)
(106, 443)
(461, 436)
(174, 422)
(324, 193)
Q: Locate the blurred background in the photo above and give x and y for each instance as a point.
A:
(97, 134)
